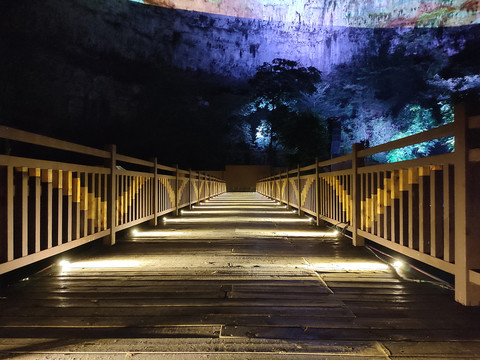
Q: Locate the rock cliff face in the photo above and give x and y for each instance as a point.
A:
(217, 44)
(100, 61)
(359, 13)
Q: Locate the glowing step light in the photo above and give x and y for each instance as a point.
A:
(236, 219)
(350, 266)
(235, 212)
(223, 207)
(101, 264)
(244, 233)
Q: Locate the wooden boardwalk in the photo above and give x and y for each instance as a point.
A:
(238, 277)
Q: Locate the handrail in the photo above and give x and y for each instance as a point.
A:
(435, 133)
(41, 140)
(424, 208)
(49, 142)
(132, 160)
(48, 207)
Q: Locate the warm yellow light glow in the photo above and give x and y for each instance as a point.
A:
(160, 233)
(398, 264)
(281, 233)
(242, 201)
(237, 212)
(101, 264)
(347, 266)
(221, 207)
(247, 233)
(236, 219)
(65, 265)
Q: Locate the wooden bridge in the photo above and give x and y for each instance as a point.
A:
(200, 273)
(236, 277)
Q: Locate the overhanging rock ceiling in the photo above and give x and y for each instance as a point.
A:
(356, 13)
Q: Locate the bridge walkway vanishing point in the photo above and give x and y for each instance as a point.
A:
(236, 277)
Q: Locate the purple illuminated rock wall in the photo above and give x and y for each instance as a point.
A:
(90, 63)
(357, 13)
(223, 45)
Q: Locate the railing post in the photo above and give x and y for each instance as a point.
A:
(299, 192)
(467, 198)
(6, 214)
(176, 190)
(155, 192)
(111, 196)
(355, 191)
(204, 185)
(279, 188)
(274, 187)
(209, 187)
(288, 191)
(190, 189)
(199, 182)
(317, 194)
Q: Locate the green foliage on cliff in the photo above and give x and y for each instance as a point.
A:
(281, 126)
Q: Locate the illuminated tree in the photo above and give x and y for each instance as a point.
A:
(282, 82)
(276, 88)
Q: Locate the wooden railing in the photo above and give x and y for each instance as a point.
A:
(427, 208)
(48, 207)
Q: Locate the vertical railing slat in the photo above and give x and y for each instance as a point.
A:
(395, 179)
(57, 209)
(387, 196)
(6, 213)
(413, 208)
(449, 213)
(76, 205)
(21, 212)
(83, 204)
(111, 196)
(424, 209)
(436, 211)
(67, 206)
(46, 222)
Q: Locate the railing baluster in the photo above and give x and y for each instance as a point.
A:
(46, 202)
(424, 209)
(380, 204)
(436, 213)
(449, 213)
(57, 210)
(76, 205)
(387, 230)
(395, 206)
(91, 203)
(403, 206)
(83, 204)
(112, 190)
(413, 208)
(21, 212)
(6, 213)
